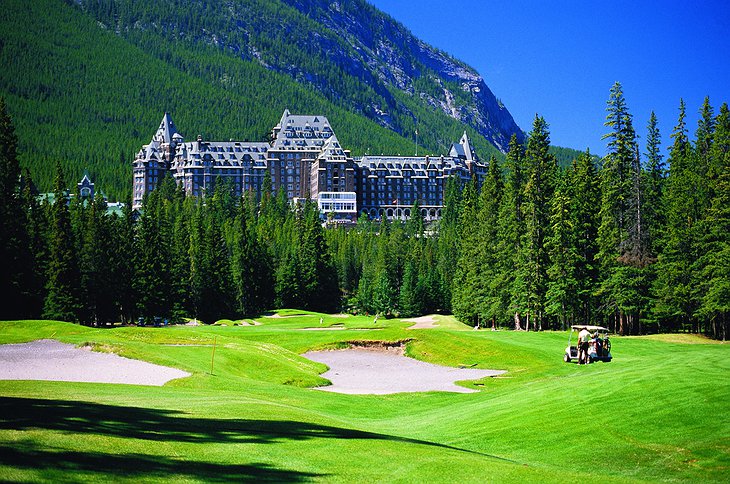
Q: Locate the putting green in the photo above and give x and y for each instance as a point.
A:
(656, 413)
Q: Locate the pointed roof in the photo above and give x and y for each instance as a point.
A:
(85, 180)
(463, 149)
(468, 150)
(167, 130)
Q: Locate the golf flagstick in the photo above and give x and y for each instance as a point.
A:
(212, 358)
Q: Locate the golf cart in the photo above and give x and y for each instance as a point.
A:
(599, 347)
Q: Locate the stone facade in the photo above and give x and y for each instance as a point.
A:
(306, 160)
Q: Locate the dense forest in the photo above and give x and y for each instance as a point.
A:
(631, 241)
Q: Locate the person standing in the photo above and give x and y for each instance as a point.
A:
(584, 338)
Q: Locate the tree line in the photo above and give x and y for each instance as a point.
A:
(628, 241)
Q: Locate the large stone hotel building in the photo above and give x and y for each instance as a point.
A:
(306, 160)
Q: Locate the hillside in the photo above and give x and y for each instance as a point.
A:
(87, 82)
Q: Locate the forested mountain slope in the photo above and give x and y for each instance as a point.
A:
(88, 81)
(349, 51)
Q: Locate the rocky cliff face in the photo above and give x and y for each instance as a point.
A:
(400, 60)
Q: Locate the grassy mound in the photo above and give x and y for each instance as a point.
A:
(656, 413)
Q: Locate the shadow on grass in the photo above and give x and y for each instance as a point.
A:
(165, 426)
(56, 465)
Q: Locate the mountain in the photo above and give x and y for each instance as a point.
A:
(87, 81)
(394, 59)
(347, 50)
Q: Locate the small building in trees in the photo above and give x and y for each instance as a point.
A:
(85, 188)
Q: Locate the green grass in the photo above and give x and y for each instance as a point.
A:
(658, 412)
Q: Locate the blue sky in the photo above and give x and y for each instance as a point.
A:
(560, 58)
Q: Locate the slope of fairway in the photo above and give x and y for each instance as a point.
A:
(656, 413)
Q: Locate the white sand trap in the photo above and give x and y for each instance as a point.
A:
(424, 322)
(363, 371)
(55, 361)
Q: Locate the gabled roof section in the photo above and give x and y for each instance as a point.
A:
(468, 150)
(463, 149)
(85, 180)
(167, 130)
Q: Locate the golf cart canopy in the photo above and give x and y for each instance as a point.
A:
(578, 327)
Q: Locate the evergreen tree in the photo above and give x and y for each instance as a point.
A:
(63, 279)
(561, 297)
(123, 262)
(622, 236)
(714, 262)
(97, 272)
(488, 300)
(511, 276)
(410, 301)
(539, 188)
(181, 213)
(673, 302)
(466, 277)
(15, 278)
(654, 185)
(253, 277)
(36, 222)
(217, 288)
(415, 225)
(318, 277)
(584, 198)
(448, 240)
(151, 262)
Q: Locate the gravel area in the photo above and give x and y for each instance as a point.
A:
(368, 371)
(55, 361)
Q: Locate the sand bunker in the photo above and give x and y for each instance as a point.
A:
(424, 322)
(52, 360)
(369, 371)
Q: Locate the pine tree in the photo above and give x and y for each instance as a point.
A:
(448, 239)
(63, 277)
(673, 302)
(561, 297)
(714, 262)
(151, 262)
(585, 197)
(182, 210)
(539, 188)
(217, 288)
(622, 234)
(15, 276)
(487, 265)
(654, 185)
(36, 222)
(511, 276)
(123, 262)
(318, 276)
(410, 301)
(253, 277)
(100, 280)
(464, 297)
